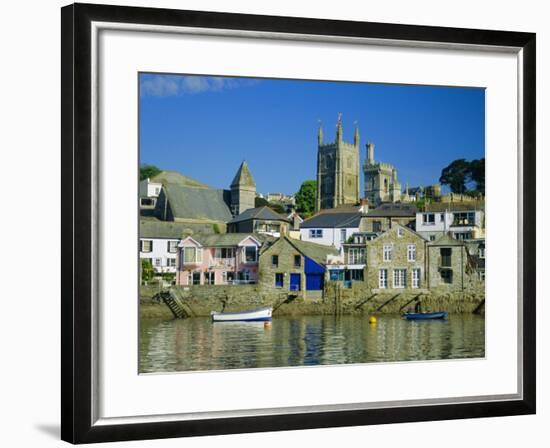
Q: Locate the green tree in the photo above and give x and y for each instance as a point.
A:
(455, 175)
(477, 174)
(260, 202)
(147, 271)
(305, 198)
(148, 171)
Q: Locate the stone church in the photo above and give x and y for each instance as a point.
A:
(338, 170)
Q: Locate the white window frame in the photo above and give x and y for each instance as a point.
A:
(411, 252)
(481, 251)
(172, 246)
(255, 254)
(356, 255)
(171, 262)
(198, 255)
(142, 248)
(416, 275)
(157, 261)
(425, 220)
(382, 278)
(399, 278)
(316, 233)
(387, 252)
(343, 235)
(400, 232)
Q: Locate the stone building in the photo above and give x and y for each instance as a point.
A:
(338, 170)
(449, 264)
(396, 260)
(290, 265)
(381, 184)
(243, 190)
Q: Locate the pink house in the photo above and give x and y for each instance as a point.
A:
(218, 259)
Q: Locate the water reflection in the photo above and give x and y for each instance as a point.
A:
(199, 344)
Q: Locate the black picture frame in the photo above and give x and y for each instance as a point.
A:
(76, 313)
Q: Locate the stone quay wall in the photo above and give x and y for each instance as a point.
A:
(334, 300)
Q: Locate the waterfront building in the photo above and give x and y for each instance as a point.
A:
(465, 224)
(338, 170)
(259, 220)
(332, 227)
(386, 216)
(158, 242)
(218, 259)
(295, 266)
(450, 265)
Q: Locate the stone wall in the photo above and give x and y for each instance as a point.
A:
(334, 300)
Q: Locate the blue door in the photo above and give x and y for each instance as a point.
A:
(314, 282)
(295, 282)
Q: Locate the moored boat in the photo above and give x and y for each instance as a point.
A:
(262, 314)
(422, 316)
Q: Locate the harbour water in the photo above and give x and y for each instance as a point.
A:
(199, 344)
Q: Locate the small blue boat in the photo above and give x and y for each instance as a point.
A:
(422, 316)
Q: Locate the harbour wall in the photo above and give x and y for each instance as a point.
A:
(334, 300)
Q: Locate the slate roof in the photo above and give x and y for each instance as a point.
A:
(243, 178)
(445, 239)
(258, 213)
(316, 252)
(173, 177)
(393, 210)
(197, 203)
(332, 220)
(455, 206)
(223, 239)
(155, 228)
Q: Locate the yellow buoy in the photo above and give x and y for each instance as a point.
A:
(372, 320)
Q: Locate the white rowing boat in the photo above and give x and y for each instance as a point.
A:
(263, 314)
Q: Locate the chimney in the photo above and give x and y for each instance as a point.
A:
(364, 206)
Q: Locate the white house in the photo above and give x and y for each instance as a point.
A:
(158, 242)
(331, 227)
(148, 193)
(463, 225)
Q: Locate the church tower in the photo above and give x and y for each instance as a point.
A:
(381, 184)
(243, 190)
(338, 170)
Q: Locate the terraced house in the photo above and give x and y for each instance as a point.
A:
(218, 259)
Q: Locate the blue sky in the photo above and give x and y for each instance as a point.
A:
(205, 126)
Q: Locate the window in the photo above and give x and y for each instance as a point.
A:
(357, 275)
(415, 278)
(279, 280)
(481, 275)
(464, 219)
(171, 262)
(250, 254)
(388, 249)
(297, 261)
(411, 252)
(157, 191)
(172, 247)
(342, 235)
(400, 232)
(432, 237)
(461, 236)
(356, 256)
(428, 219)
(228, 277)
(316, 233)
(482, 251)
(147, 202)
(446, 256)
(225, 253)
(275, 260)
(209, 278)
(376, 226)
(196, 278)
(447, 276)
(146, 245)
(158, 261)
(336, 274)
(383, 278)
(192, 255)
(399, 278)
